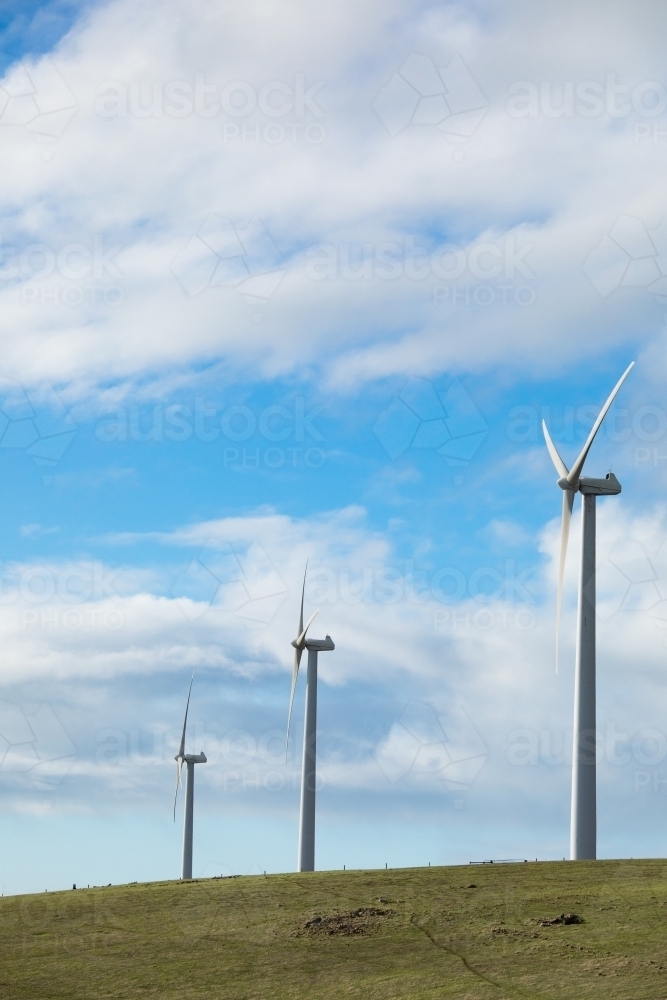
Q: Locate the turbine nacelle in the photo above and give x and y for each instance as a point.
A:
(607, 487)
(320, 645)
(191, 758)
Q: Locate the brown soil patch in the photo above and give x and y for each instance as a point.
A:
(361, 921)
(565, 918)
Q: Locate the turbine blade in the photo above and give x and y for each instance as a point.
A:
(561, 467)
(179, 765)
(181, 749)
(302, 637)
(297, 654)
(295, 674)
(568, 503)
(303, 594)
(575, 471)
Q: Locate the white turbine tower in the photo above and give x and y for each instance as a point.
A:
(583, 833)
(190, 760)
(306, 859)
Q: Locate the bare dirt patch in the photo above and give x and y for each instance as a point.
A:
(361, 921)
(564, 918)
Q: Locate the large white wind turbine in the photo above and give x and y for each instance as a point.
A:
(306, 858)
(583, 833)
(189, 760)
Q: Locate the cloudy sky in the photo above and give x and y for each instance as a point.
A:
(298, 281)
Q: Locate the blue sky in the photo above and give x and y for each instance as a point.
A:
(32, 28)
(279, 287)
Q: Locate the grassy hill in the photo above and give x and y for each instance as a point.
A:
(476, 932)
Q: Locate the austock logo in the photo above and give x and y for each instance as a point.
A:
(445, 98)
(421, 744)
(34, 96)
(635, 582)
(422, 418)
(630, 256)
(34, 747)
(240, 257)
(35, 421)
(242, 581)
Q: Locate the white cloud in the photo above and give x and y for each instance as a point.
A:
(494, 653)
(36, 530)
(147, 183)
(482, 671)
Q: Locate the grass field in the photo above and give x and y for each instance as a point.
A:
(410, 933)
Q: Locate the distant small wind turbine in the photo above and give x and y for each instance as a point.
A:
(583, 816)
(190, 760)
(306, 857)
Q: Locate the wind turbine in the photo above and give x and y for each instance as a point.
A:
(306, 858)
(190, 760)
(583, 833)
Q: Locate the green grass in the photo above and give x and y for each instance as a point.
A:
(245, 939)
